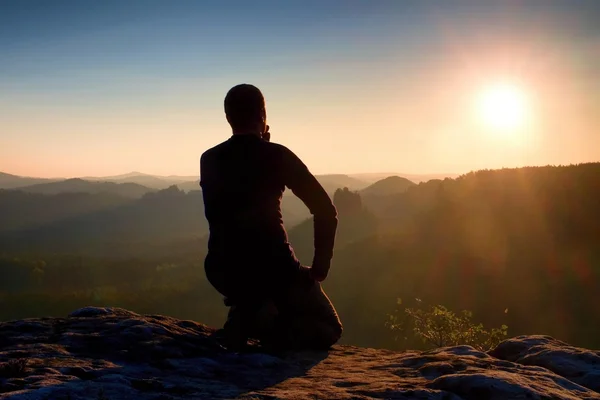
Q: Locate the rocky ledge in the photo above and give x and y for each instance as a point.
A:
(109, 353)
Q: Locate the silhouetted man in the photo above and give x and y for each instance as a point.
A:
(250, 260)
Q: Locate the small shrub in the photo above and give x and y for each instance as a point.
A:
(437, 326)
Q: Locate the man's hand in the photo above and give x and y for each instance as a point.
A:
(319, 272)
(314, 274)
(317, 275)
(266, 134)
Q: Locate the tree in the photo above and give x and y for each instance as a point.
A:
(437, 326)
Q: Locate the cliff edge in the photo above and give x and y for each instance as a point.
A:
(111, 353)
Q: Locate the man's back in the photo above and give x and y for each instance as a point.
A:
(243, 180)
(242, 187)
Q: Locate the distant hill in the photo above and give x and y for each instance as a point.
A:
(416, 178)
(151, 181)
(136, 174)
(189, 186)
(294, 210)
(388, 186)
(8, 181)
(168, 214)
(329, 182)
(355, 223)
(332, 182)
(385, 194)
(21, 210)
(180, 178)
(76, 185)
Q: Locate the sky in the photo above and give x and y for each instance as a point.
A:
(105, 87)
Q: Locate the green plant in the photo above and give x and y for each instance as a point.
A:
(437, 326)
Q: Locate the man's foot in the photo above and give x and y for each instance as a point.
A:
(228, 342)
(245, 322)
(234, 335)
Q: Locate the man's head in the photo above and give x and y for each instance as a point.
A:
(245, 109)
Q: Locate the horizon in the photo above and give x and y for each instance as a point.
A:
(357, 175)
(140, 173)
(96, 89)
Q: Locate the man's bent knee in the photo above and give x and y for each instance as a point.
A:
(329, 334)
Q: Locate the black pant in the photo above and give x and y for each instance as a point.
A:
(301, 317)
(278, 303)
(250, 279)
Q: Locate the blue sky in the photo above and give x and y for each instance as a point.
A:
(104, 87)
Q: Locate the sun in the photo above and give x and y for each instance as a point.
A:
(502, 107)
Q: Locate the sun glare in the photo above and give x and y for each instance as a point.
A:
(502, 107)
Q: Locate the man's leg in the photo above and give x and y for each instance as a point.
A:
(307, 318)
(251, 319)
(247, 299)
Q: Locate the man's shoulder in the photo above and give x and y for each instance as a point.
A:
(214, 150)
(270, 147)
(279, 148)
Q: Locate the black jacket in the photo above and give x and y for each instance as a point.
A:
(243, 180)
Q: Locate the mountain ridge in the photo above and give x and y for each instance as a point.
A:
(388, 186)
(329, 181)
(79, 185)
(10, 181)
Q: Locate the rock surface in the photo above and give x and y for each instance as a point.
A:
(108, 353)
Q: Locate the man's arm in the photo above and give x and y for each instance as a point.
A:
(205, 182)
(202, 182)
(304, 185)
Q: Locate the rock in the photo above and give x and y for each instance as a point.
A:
(109, 353)
(579, 365)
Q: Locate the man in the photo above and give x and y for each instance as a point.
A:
(250, 260)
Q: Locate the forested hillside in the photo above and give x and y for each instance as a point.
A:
(21, 210)
(9, 181)
(515, 246)
(89, 222)
(133, 185)
(169, 214)
(76, 185)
